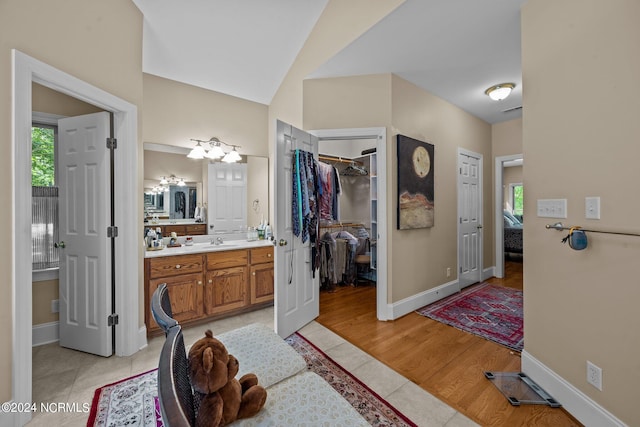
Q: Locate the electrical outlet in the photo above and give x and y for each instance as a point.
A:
(594, 375)
(448, 271)
(55, 306)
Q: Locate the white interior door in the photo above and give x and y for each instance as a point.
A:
(470, 218)
(85, 258)
(297, 292)
(228, 188)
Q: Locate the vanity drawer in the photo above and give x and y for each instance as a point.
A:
(224, 259)
(196, 229)
(175, 265)
(261, 255)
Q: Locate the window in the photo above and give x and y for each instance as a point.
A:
(44, 197)
(517, 199)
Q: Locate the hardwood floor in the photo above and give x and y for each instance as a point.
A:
(448, 363)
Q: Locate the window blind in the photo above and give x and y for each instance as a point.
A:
(44, 227)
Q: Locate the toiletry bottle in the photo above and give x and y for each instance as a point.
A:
(159, 236)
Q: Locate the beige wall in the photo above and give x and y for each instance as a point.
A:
(419, 258)
(43, 293)
(98, 42)
(176, 112)
(582, 141)
(506, 138)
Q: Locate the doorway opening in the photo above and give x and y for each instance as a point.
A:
(26, 71)
(359, 156)
(508, 227)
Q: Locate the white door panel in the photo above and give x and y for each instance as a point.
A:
(470, 218)
(297, 292)
(85, 259)
(227, 197)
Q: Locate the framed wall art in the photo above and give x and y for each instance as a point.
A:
(415, 183)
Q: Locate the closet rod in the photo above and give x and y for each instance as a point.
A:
(558, 226)
(344, 224)
(337, 159)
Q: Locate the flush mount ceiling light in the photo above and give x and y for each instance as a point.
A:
(214, 150)
(500, 91)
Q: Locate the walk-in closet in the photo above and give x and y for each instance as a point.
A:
(347, 209)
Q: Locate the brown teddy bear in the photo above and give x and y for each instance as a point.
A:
(212, 371)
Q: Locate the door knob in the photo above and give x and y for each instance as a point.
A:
(282, 242)
(59, 245)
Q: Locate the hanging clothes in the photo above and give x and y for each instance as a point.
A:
(304, 206)
(327, 251)
(180, 203)
(345, 261)
(330, 186)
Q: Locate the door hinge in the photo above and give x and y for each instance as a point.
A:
(460, 269)
(112, 143)
(112, 319)
(112, 231)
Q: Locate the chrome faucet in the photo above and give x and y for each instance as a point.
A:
(217, 241)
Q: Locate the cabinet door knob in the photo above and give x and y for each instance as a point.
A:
(199, 282)
(268, 255)
(254, 273)
(210, 281)
(177, 265)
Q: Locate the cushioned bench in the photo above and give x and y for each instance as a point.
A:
(295, 395)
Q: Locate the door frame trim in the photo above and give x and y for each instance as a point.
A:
(498, 197)
(481, 216)
(384, 310)
(25, 71)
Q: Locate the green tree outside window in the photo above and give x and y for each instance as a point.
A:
(42, 156)
(518, 199)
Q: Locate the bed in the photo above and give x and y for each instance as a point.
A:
(512, 233)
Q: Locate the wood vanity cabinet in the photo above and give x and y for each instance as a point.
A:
(226, 281)
(261, 274)
(180, 229)
(210, 285)
(184, 278)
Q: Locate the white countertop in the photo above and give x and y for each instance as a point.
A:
(172, 222)
(206, 246)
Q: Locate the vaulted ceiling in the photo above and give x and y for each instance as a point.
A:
(454, 49)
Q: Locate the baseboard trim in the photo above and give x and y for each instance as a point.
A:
(488, 273)
(414, 302)
(142, 337)
(578, 404)
(45, 333)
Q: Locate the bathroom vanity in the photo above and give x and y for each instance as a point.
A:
(182, 228)
(208, 281)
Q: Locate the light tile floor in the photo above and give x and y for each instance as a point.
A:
(63, 375)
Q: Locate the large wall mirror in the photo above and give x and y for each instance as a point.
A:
(233, 196)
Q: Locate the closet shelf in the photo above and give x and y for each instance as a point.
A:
(336, 159)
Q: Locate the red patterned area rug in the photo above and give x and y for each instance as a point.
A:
(377, 411)
(134, 401)
(489, 311)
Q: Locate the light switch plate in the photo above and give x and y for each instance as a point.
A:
(592, 207)
(552, 208)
